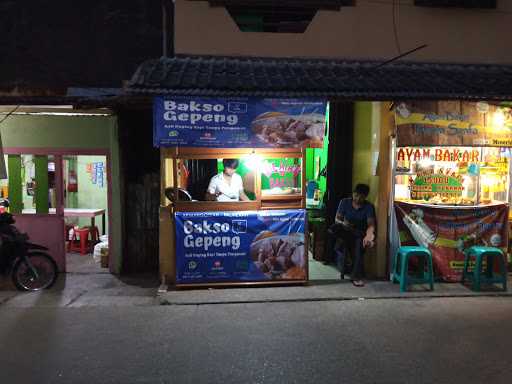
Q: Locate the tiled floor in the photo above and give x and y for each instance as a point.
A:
(319, 271)
(77, 263)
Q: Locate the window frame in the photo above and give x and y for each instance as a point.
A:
(169, 178)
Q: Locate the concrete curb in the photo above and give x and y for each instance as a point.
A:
(165, 301)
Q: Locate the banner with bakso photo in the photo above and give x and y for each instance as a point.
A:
(242, 122)
(234, 246)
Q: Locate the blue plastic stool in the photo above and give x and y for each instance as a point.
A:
(489, 277)
(401, 266)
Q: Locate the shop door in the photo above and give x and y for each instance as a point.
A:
(34, 190)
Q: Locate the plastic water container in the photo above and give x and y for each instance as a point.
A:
(310, 189)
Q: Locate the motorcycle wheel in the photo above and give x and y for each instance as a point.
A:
(23, 277)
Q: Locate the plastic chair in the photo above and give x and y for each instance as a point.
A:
(478, 276)
(181, 194)
(67, 228)
(401, 267)
(80, 241)
(95, 234)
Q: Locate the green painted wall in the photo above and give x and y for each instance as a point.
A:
(73, 131)
(366, 141)
(50, 131)
(15, 191)
(41, 179)
(322, 154)
(91, 195)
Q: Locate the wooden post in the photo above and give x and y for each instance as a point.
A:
(15, 191)
(385, 174)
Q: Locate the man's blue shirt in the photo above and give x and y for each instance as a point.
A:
(357, 217)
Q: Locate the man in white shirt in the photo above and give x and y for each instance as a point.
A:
(227, 185)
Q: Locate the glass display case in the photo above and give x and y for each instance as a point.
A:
(452, 175)
(272, 179)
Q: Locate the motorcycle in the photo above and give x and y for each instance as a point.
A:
(30, 266)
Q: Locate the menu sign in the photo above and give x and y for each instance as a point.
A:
(427, 185)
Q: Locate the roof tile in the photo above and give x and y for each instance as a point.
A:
(294, 77)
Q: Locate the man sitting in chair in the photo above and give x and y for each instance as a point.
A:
(355, 227)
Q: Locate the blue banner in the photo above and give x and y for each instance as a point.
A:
(238, 122)
(240, 246)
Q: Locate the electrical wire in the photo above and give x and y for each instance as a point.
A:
(10, 113)
(394, 10)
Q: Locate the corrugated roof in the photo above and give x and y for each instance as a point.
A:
(295, 77)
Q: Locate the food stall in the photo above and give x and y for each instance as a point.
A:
(229, 242)
(451, 175)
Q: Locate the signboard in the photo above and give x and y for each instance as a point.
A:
(427, 185)
(453, 123)
(447, 231)
(233, 246)
(281, 173)
(438, 154)
(238, 122)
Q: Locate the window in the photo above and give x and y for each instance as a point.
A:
(285, 16)
(199, 179)
(281, 176)
(30, 186)
(272, 19)
(487, 4)
(203, 179)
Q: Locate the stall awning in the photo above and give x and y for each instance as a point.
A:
(335, 79)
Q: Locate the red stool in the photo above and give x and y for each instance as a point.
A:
(80, 244)
(95, 234)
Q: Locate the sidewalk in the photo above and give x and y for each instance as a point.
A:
(103, 289)
(331, 290)
(85, 289)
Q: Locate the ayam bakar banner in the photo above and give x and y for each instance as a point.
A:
(238, 122)
(448, 231)
(240, 246)
(453, 123)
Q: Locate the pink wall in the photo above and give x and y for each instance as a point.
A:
(47, 230)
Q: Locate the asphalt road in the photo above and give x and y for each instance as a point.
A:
(460, 340)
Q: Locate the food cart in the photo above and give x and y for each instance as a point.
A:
(259, 241)
(451, 175)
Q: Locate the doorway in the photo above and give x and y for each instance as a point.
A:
(62, 201)
(86, 212)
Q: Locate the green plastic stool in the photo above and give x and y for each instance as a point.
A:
(489, 277)
(401, 275)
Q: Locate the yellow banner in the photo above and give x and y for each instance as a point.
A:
(422, 118)
(453, 124)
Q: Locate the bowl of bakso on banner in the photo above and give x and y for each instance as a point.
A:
(282, 130)
(279, 256)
